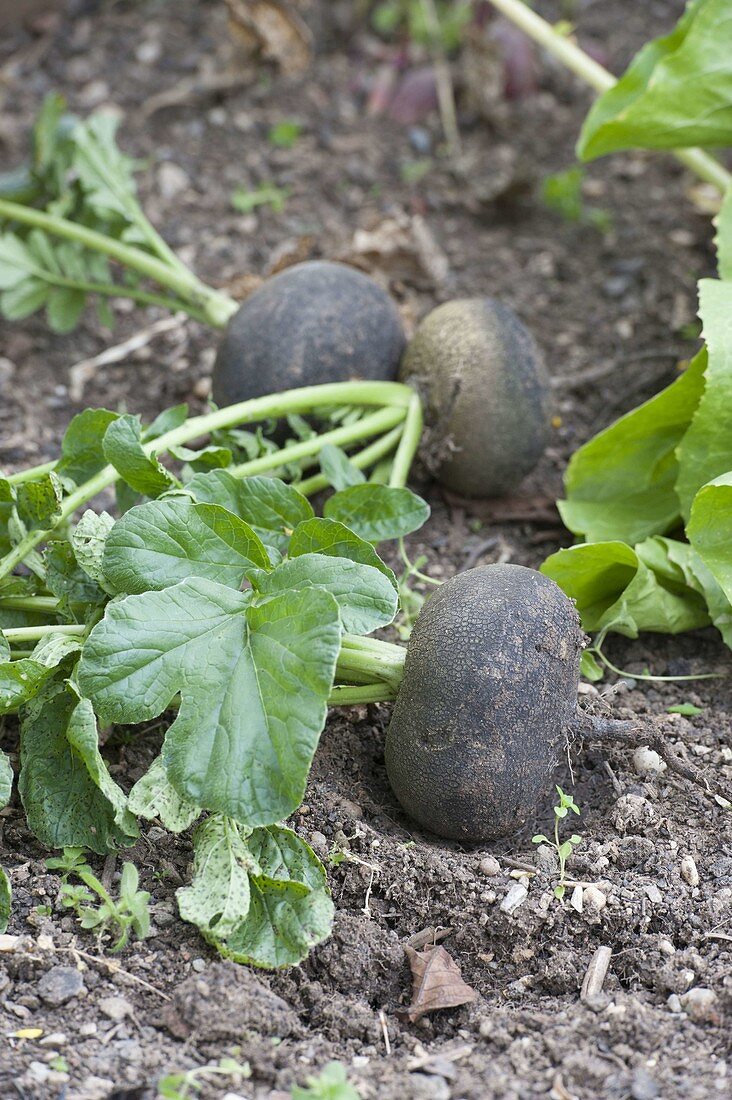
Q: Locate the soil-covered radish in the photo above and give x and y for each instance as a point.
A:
(486, 392)
(315, 322)
(486, 704)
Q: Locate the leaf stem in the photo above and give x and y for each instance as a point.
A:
(42, 604)
(211, 305)
(705, 166)
(369, 456)
(395, 396)
(408, 444)
(35, 633)
(348, 695)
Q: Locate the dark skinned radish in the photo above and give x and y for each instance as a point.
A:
(486, 394)
(314, 322)
(487, 703)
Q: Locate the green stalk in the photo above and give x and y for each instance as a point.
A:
(49, 605)
(347, 695)
(408, 444)
(369, 663)
(396, 397)
(35, 633)
(705, 166)
(216, 308)
(369, 456)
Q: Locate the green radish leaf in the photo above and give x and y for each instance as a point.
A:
(6, 779)
(253, 681)
(328, 536)
(39, 501)
(267, 504)
(21, 681)
(78, 593)
(69, 797)
(217, 900)
(207, 458)
(16, 261)
(366, 598)
(338, 469)
(687, 709)
(158, 544)
(6, 899)
(89, 539)
(154, 796)
(64, 308)
(290, 910)
(82, 454)
(678, 565)
(167, 421)
(621, 485)
(123, 449)
(20, 301)
(105, 173)
(705, 452)
(377, 512)
(677, 91)
(615, 590)
(590, 667)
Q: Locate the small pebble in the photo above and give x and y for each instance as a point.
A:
(60, 984)
(647, 762)
(55, 1039)
(318, 842)
(116, 1008)
(666, 947)
(577, 898)
(148, 52)
(199, 965)
(642, 1086)
(489, 866)
(689, 872)
(171, 180)
(88, 1029)
(594, 898)
(546, 859)
(515, 897)
(674, 1003)
(701, 1005)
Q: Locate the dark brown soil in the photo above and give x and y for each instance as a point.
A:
(612, 315)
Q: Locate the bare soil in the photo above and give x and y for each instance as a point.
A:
(612, 314)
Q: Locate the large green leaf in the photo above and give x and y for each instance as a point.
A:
(705, 452)
(158, 544)
(710, 533)
(621, 485)
(678, 564)
(267, 504)
(366, 598)
(39, 501)
(21, 681)
(338, 469)
(676, 92)
(253, 681)
(69, 797)
(123, 449)
(723, 238)
(6, 780)
(82, 453)
(290, 909)
(377, 512)
(614, 589)
(328, 536)
(218, 898)
(155, 796)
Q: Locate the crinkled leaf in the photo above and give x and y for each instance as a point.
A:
(207, 458)
(155, 796)
(676, 92)
(69, 797)
(621, 485)
(123, 448)
(158, 544)
(270, 506)
(290, 908)
(69, 582)
(705, 452)
(254, 683)
(366, 598)
(82, 451)
(377, 512)
(328, 536)
(6, 899)
(615, 590)
(21, 681)
(338, 469)
(89, 539)
(678, 565)
(39, 501)
(218, 898)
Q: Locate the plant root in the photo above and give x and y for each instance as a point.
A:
(635, 735)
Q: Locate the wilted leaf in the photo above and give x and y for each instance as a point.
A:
(436, 982)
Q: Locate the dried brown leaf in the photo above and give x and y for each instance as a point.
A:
(436, 982)
(273, 29)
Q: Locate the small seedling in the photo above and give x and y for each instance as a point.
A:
(564, 848)
(687, 709)
(267, 195)
(284, 134)
(562, 193)
(180, 1086)
(331, 1084)
(94, 905)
